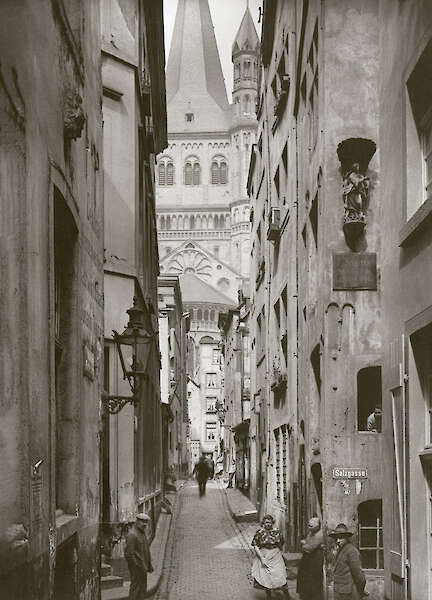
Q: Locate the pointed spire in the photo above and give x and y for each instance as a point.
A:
(195, 83)
(247, 37)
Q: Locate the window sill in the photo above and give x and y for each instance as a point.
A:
(66, 526)
(416, 224)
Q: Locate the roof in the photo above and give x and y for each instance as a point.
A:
(195, 289)
(195, 82)
(247, 37)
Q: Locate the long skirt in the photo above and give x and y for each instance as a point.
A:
(274, 575)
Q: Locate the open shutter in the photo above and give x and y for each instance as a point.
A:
(395, 385)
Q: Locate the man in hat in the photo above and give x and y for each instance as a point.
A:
(348, 577)
(137, 555)
(202, 472)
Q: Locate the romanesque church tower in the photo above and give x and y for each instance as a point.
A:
(202, 204)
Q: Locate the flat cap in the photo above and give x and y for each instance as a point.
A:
(143, 517)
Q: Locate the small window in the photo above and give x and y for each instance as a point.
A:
(216, 356)
(211, 380)
(211, 404)
(210, 432)
(189, 117)
(370, 530)
(369, 399)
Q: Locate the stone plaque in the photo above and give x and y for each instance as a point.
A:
(354, 271)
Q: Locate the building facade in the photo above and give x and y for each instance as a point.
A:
(51, 303)
(202, 204)
(405, 105)
(134, 131)
(173, 328)
(316, 301)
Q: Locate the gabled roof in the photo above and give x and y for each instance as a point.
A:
(195, 289)
(194, 77)
(246, 38)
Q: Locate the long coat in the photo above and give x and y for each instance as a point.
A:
(310, 571)
(348, 576)
(137, 550)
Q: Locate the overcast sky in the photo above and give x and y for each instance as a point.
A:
(226, 16)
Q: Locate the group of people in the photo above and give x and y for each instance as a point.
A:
(269, 571)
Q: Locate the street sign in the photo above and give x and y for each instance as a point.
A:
(349, 473)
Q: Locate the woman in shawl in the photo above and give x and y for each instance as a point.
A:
(310, 572)
(268, 568)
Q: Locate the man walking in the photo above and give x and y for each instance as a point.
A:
(137, 555)
(202, 472)
(348, 577)
(231, 472)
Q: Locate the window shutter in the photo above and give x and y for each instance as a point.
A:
(162, 174)
(223, 173)
(215, 173)
(170, 174)
(188, 174)
(196, 174)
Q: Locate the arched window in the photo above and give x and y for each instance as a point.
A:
(165, 171)
(170, 174)
(192, 222)
(188, 173)
(369, 399)
(192, 171)
(246, 104)
(196, 174)
(370, 534)
(219, 171)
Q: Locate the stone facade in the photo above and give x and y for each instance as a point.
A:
(134, 131)
(316, 295)
(51, 341)
(173, 328)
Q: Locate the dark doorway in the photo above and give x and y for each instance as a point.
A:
(65, 571)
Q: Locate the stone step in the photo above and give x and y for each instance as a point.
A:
(105, 569)
(120, 593)
(111, 581)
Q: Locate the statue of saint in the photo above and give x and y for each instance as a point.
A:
(355, 193)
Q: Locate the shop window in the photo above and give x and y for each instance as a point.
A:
(369, 399)
(419, 132)
(370, 533)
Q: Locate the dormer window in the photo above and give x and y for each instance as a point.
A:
(189, 117)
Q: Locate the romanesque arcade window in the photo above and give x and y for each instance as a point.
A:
(165, 172)
(192, 171)
(219, 171)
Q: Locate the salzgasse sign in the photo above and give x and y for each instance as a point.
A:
(349, 473)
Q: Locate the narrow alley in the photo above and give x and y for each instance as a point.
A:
(207, 556)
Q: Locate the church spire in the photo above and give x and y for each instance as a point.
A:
(246, 38)
(196, 93)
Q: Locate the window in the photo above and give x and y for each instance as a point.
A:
(369, 399)
(419, 132)
(278, 439)
(211, 404)
(219, 171)
(216, 356)
(210, 432)
(192, 171)
(189, 117)
(211, 381)
(165, 172)
(370, 530)
(65, 238)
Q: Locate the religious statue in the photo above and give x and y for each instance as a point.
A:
(355, 193)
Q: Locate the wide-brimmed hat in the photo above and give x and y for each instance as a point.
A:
(340, 531)
(142, 517)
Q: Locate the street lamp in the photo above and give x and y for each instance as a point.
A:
(139, 340)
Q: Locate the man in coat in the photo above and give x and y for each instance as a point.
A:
(137, 555)
(348, 577)
(202, 472)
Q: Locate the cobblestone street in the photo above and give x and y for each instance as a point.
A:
(206, 557)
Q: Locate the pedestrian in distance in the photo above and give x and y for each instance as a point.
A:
(211, 466)
(202, 472)
(231, 473)
(138, 557)
(348, 577)
(268, 567)
(310, 571)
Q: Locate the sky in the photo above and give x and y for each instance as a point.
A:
(226, 16)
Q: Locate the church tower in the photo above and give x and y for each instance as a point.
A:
(245, 58)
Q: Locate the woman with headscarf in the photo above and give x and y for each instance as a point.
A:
(310, 572)
(268, 568)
